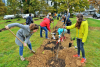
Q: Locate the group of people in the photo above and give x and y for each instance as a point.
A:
(26, 32)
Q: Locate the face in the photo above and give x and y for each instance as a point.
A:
(35, 30)
(51, 21)
(77, 18)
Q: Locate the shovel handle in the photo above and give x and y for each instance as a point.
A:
(16, 36)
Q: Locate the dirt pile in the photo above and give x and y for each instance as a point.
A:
(46, 54)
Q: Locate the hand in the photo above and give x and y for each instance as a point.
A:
(25, 44)
(64, 26)
(6, 27)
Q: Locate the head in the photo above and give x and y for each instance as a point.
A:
(79, 20)
(63, 17)
(30, 14)
(34, 27)
(51, 20)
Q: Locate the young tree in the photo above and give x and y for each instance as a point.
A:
(3, 8)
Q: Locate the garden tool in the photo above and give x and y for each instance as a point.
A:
(53, 35)
(21, 41)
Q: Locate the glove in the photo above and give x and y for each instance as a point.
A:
(61, 39)
(56, 43)
(64, 37)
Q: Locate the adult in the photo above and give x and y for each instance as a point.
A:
(45, 25)
(24, 35)
(29, 20)
(81, 34)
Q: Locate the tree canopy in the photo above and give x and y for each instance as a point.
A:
(3, 8)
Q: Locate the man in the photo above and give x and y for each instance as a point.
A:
(29, 20)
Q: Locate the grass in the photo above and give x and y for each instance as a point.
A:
(92, 45)
(9, 51)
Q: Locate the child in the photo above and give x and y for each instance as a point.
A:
(24, 34)
(61, 32)
(81, 34)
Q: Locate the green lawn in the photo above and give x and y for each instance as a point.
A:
(92, 45)
(9, 51)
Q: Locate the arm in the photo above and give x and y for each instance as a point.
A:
(31, 20)
(16, 24)
(70, 27)
(85, 32)
(48, 27)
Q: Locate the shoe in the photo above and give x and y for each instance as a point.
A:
(76, 55)
(83, 60)
(22, 58)
(32, 51)
(47, 38)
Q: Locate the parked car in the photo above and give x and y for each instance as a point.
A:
(26, 15)
(9, 16)
(96, 15)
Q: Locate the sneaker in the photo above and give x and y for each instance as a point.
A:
(22, 58)
(47, 38)
(76, 55)
(32, 51)
(83, 60)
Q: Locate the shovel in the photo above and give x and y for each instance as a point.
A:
(21, 41)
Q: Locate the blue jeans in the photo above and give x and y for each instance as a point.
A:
(80, 47)
(46, 31)
(21, 49)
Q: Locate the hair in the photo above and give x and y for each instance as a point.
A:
(79, 21)
(33, 26)
(63, 17)
(30, 14)
(51, 20)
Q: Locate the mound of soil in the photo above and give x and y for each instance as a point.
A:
(46, 54)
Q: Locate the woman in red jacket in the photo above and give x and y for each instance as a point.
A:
(45, 25)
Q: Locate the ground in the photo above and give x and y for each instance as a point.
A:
(46, 54)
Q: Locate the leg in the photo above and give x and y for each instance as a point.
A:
(78, 45)
(21, 50)
(30, 46)
(21, 53)
(40, 31)
(82, 49)
(46, 32)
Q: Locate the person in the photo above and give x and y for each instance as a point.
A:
(69, 24)
(61, 32)
(64, 18)
(24, 35)
(81, 34)
(49, 15)
(45, 25)
(29, 20)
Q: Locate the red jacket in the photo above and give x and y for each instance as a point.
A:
(45, 23)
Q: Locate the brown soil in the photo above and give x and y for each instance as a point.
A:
(46, 54)
(94, 28)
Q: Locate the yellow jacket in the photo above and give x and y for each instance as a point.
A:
(82, 32)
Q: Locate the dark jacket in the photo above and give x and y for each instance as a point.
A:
(29, 20)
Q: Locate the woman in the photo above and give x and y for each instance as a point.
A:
(45, 25)
(24, 34)
(81, 34)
